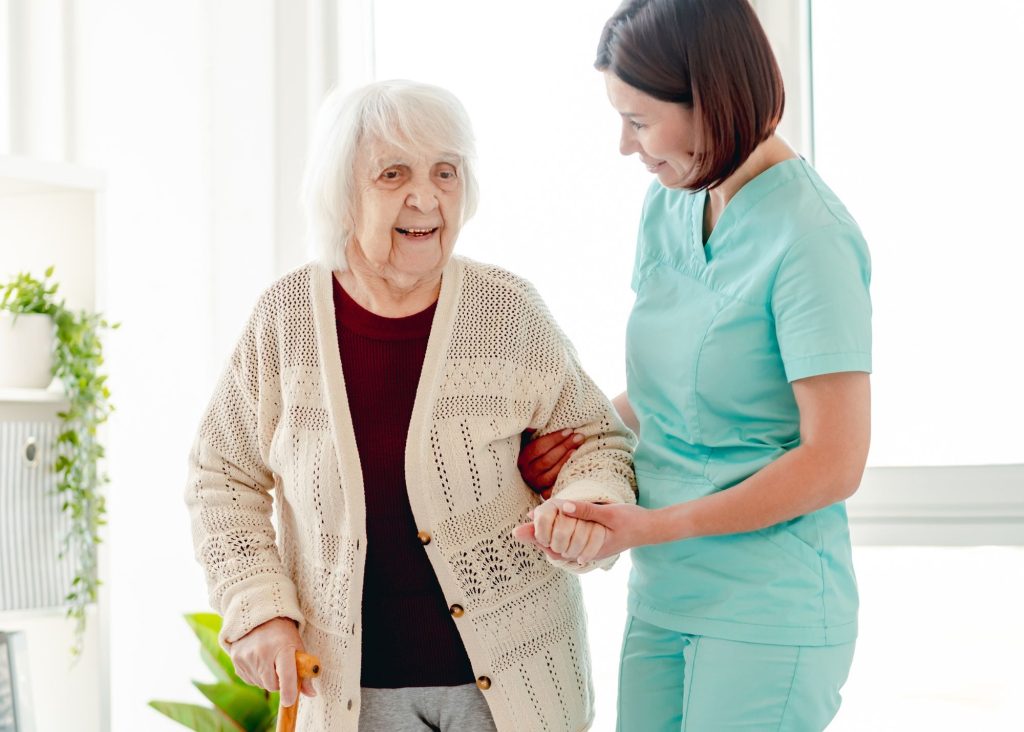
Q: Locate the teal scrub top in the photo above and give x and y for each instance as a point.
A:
(716, 335)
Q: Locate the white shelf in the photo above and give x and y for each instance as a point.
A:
(32, 396)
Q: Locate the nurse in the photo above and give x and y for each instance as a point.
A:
(748, 353)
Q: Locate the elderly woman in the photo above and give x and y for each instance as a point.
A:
(374, 404)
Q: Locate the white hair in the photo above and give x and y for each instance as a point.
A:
(404, 114)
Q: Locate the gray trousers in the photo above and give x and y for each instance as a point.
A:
(425, 708)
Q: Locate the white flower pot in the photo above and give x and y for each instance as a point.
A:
(26, 350)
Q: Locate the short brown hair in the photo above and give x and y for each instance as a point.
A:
(710, 55)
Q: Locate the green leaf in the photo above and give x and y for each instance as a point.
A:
(216, 664)
(207, 627)
(200, 719)
(246, 705)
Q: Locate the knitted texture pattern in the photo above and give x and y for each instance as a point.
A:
(275, 490)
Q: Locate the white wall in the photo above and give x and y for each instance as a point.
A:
(175, 107)
(558, 204)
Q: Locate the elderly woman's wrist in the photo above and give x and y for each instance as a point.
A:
(586, 490)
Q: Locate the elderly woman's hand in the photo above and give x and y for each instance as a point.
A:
(265, 657)
(541, 459)
(562, 536)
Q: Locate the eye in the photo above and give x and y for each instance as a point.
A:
(446, 172)
(447, 176)
(636, 125)
(394, 174)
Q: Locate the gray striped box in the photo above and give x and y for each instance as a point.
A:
(33, 573)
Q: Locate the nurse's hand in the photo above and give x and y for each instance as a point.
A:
(626, 525)
(541, 459)
(562, 536)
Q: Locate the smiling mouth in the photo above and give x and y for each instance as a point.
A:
(416, 233)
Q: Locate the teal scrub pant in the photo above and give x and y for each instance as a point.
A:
(677, 682)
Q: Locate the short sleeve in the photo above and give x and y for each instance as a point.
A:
(822, 304)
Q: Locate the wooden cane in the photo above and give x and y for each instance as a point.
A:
(307, 667)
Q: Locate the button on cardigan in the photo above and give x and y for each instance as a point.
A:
(277, 441)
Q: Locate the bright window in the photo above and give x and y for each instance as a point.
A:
(917, 127)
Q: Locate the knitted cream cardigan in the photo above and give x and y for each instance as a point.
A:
(279, 425)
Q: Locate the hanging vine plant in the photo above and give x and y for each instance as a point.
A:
(77, 359)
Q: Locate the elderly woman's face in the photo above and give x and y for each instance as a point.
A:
(410, 211)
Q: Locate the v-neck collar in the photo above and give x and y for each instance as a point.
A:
(745, 199)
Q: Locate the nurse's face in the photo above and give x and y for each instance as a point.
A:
(661, 133)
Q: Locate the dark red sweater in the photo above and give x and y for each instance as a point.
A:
(409, 637)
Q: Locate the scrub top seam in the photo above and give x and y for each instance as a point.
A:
(797, 359)
(822, 569)
(699, 432)
(653, 262)
(804, 169)
(829, 353)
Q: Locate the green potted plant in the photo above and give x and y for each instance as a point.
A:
(77, 356)
(236, 704)
(26, 335)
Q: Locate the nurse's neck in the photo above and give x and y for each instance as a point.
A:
(768, 153)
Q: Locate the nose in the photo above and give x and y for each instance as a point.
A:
(423, 198)
(627, 140)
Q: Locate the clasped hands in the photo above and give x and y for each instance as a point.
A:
(579, 531)
(576, 531)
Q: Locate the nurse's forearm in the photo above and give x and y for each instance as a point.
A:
(626, 413)
(800, 482)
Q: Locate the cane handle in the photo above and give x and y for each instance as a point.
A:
(306, 667)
